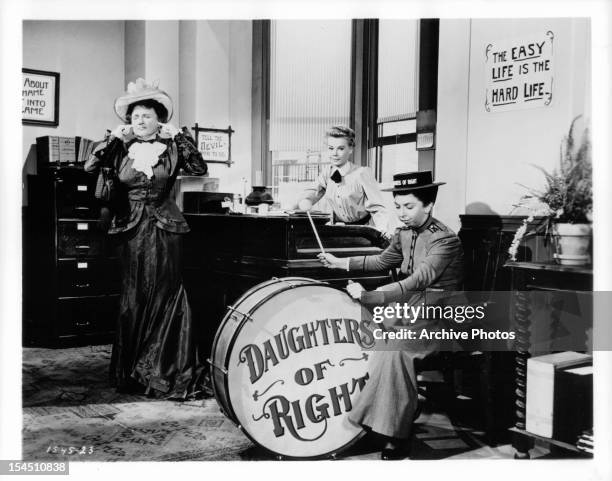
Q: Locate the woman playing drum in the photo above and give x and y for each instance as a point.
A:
(430, 255)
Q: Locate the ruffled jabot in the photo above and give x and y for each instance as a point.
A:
(145, 156)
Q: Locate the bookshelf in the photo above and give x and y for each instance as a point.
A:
(552, 278)
(57, 151)
(554, 442)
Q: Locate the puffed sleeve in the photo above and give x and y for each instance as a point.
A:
(374, 203)
(189, 155)
(102, 154)
(445, 247)
(314, 194)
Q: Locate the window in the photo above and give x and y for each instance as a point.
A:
(374, 75)
(397, 98)
(397, 69)
(310, 85)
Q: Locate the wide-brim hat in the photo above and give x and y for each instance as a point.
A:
(413, 181)
(140, 90)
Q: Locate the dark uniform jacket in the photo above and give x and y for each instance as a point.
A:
(431, 257)
(150, 194)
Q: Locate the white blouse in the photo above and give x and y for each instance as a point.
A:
(356, 195)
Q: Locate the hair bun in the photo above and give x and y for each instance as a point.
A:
(341, 132)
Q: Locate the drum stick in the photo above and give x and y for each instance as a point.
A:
(315, 232)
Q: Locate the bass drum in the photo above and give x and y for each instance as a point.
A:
(288, 363)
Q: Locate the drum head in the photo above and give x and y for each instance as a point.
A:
(296, 368)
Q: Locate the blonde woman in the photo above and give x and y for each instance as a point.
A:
(351, 190)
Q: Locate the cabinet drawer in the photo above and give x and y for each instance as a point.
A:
(75, 187)
(75, 194)
(88, 277)
(87, 316)
(79, 239)
(82, 210)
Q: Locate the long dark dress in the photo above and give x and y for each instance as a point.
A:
(431, 257)
(155, 344)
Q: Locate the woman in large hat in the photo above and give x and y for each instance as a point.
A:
(155, 349)
(429, 256)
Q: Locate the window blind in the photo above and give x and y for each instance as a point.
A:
(397, 68)
(310, 73)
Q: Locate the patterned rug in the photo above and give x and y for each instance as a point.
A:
(70, 411)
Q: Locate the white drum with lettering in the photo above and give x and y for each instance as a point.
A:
(288, 363)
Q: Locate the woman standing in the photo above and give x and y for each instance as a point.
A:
(155, 347)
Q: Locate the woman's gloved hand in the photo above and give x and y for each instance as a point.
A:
(354, 289)
(168, 129)
(123, 131)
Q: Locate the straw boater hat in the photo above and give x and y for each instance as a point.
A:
(140, 90)
(412, 181)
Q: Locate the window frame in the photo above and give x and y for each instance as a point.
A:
(363, 95)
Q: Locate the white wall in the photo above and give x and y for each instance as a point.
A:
(501, 146)
(151, 53)
(89, 58)
(162, 60)
(215, 61)
(452, 121)
(135, 50)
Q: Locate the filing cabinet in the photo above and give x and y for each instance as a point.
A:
(71, 273)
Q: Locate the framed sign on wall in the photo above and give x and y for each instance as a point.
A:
(519, 72)
(40, 97)
(215, 144)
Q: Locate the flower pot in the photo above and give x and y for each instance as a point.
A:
(572, 244)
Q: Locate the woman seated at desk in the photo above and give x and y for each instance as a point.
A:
(351, 191)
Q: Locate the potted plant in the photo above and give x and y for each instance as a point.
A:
(566, 201)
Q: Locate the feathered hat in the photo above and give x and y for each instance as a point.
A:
(140, 90)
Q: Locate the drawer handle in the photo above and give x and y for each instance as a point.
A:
(82, 324)
(83, 247)
(82, 285)
(81, 208)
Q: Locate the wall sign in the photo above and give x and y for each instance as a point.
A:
(40, 97)
(519, 73)
(215, 144)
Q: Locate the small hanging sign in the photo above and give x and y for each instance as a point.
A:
(214, 144)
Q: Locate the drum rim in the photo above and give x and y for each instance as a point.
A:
(230, 345)
(213, 365)
(327, 455)
(232, 414)
(222, 325)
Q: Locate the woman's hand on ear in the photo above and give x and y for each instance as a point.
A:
(122, 131)
(168, 129)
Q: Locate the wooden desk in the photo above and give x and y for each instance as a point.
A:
(227, 254)
(527, 276)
